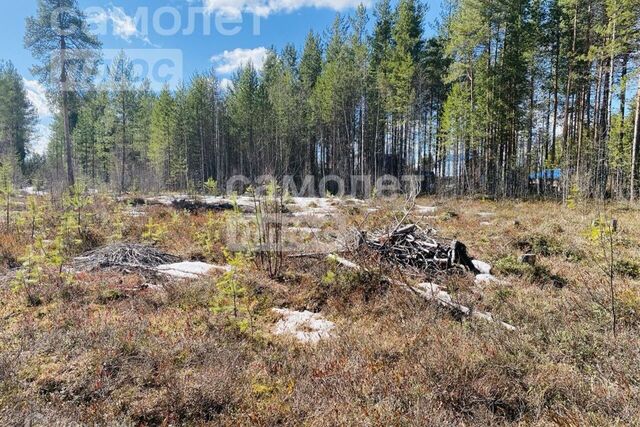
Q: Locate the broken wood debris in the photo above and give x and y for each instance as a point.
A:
(411, 246)
(127, 255)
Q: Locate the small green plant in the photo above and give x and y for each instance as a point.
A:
(329, 278)
(6, 188)
(232, 297)
(269, 210)
(77, 201)
(546, 246)
(540, 274)
(449, 215)
(118, 223)
(31, 271)
(30, 222)
(154, 232)
(511, 265)
(211, 187)
(176, 217)
(573, 197)
(210, 237)
(603, 234)
(67, 240)
(627, 268)
(287, 198)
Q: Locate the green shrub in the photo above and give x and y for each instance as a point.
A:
(511, 265)
(546, 246)
(627, 268)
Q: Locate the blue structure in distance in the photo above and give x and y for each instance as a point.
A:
(547, 174)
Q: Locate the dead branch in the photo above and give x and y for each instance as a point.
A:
(410, 246)
(120, 255)
(430, 292)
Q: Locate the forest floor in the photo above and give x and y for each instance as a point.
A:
(130, 347)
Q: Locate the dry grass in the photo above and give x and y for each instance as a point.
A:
(103, 350)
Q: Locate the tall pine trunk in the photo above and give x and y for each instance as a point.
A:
(634, 150)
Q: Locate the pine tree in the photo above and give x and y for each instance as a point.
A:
(310, 69)
(163, 131)
(17, 114)
(58, 36)
(122, 83)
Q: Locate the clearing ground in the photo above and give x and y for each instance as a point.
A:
(173, 328)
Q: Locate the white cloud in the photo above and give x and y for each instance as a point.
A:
(41, 138)
(226, 84)
(37, 95)
(231, 60)
(267, 7)
(124, 26)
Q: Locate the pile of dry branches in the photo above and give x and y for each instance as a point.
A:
(129, 255)
(411, 246)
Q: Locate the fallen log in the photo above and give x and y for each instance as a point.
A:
(430, 292)
(192, 204)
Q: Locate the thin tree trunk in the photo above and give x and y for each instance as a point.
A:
(65, 115)
(634, 150)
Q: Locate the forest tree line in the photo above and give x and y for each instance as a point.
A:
(503, 90)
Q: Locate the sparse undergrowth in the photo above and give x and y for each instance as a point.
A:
(102, 348)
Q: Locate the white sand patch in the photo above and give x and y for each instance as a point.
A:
(483, 267)
(485, 279)
(304, 230)
(313, 213)
(32, 191)
(304, 326)
(425, 210)
(189, 269)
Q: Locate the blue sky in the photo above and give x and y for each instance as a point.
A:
(240, 30)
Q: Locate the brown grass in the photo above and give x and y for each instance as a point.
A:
(104, 350)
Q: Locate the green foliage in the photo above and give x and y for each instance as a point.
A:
(154, 232)
(59, 37)
(209, 238)
(574, 197)
(329, 278)
(34, 218)
(6, 187)
(118, 223)
(627, 268)
(163, 129)
(600, 230)
(481, 105)
(232, 297)
(31, 272)
(211, 187)
(511, 265)
(18, 116)
(546, 245)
